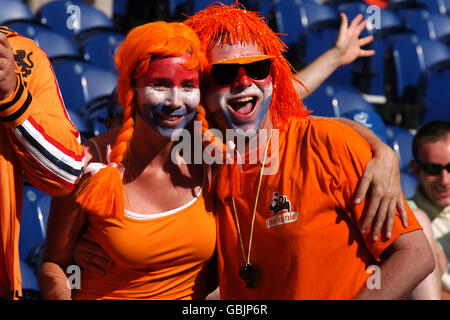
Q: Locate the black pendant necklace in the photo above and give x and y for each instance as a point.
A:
(248, 272)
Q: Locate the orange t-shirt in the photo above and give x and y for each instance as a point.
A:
(165, 257)
(306, 242)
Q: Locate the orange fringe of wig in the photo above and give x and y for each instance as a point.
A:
(222, 24)
(102, 194)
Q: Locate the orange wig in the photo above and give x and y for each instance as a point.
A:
(222, 24)
(103, 193)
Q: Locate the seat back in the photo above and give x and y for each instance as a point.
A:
(54, 44)
(13, 10)
(82, 84)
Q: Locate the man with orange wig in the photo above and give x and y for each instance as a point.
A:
(293, 232)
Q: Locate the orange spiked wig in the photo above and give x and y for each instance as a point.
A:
(222, 24)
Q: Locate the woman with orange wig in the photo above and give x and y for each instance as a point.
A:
(148, 212)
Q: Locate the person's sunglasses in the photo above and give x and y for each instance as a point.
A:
(433, 169)
(224, 74)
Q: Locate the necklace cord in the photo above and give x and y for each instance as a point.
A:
(254, 209)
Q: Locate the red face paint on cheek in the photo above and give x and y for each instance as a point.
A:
(172, 71)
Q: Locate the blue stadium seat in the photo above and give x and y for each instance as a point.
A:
(316, 43)
(426, 25)
(33, 223)
(435, 95)
(30, 286)
(79, 123)
(100, 49)
(96, 120)
(333, 100)
(178, 6)
(54, 44)
(371, 120)
(411, 57)
(120, 7)
(408, 182)
(83, 84)
(436, 6)
(403, 4)
(400, 140)
(14, 10)
(73, 18)
(295, 17)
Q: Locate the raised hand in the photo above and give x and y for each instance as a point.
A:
(8, 80)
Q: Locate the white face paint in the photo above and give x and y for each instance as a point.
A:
(168, 95)
(244, 103)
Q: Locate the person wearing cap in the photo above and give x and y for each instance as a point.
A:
(287, 225)
(39, 144)
(431, 166)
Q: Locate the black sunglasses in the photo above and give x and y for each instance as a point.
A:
(433, 169)
(224, 74)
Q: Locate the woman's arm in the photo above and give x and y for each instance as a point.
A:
(65, 222)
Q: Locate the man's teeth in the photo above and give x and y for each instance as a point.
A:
(245, 99)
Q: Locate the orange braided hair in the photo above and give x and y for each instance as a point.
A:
(103, 192)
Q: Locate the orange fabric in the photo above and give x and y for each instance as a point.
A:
(314, 250)
(47, 112)
(162, 258)
(4, 281)
(380, 3)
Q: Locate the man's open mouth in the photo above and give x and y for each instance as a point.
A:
(243, 107)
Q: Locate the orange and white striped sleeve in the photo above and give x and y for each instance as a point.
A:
(45, 140)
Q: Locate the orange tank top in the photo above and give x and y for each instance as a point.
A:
(158, 256)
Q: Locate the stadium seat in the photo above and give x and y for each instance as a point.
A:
(401, 141)
(426, 25)
(73, 18)
(435, 95)
(295, 17)
(80, 124)
(34, 219)
(436, 6)
(14, 10)
(411, 56)
(333, 100)
(371, 120)
(178, 7)
(408, 182)
(403, 4)
(30, 286)
(54, 44)
(100, 49)
(82, 85)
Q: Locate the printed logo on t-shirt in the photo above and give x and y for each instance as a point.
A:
(281, 208)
